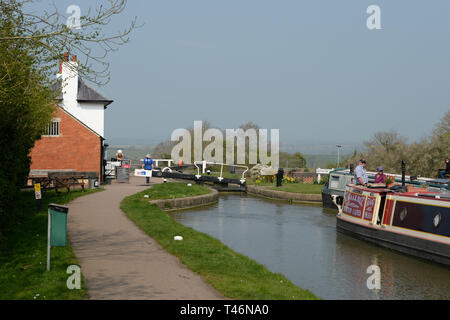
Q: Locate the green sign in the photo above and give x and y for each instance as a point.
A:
(58, 227)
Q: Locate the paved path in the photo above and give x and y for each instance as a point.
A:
(118, 260)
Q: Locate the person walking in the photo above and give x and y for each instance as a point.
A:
(148, 165)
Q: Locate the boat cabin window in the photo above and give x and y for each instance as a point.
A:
(334, 181)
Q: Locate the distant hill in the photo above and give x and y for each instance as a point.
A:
(134, 153)
(322, 160)
(137, 152)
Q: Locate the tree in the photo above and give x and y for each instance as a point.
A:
(427, 156)
(51, 33)
(31, 46)
(423, 158)
(163, 150)
(26, 106)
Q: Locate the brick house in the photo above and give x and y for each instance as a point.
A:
(74, 141)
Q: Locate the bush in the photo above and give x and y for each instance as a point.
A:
(27, 107)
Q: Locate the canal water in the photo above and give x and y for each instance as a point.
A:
(302, 243)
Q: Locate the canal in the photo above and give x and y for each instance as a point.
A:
(302, 243)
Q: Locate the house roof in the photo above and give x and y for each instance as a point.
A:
(85, 93)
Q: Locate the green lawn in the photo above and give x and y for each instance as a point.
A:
(172, 190)
(23, 253)
(300, 188)
(233, 274)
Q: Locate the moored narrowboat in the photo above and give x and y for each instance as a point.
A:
(335, 186)
(339, 178)
(414, 221)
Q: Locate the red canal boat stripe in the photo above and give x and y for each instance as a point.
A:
(388, 211)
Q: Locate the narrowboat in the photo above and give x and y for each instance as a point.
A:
(339, 178)
(411, 220)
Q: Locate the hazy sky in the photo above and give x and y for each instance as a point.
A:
(309, 68)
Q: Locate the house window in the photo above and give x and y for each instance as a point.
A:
(53, 128)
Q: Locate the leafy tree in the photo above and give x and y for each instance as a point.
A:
(48, 35)
(423, 158)
(427, 156)
(289, 160)
(26, 106)
(31, 46)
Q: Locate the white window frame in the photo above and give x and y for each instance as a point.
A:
(53, 129)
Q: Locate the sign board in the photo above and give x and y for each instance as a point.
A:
(354, 204)
(370, 205)
(37, 191)
(142, 173)
(58, 228)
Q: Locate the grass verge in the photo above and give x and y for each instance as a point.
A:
(300, 188)
(233, 274)
(23, 254)
(172, 190)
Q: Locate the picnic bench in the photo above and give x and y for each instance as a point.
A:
(59, 181)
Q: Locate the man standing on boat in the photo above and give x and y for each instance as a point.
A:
(360, 173)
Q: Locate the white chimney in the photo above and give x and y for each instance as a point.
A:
(69, 84)
(90, 109)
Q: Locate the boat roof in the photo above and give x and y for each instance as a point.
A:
(371, 188)
(419, 193)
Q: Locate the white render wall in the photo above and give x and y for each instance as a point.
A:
(91, 114)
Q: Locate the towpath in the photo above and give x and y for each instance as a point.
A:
(118, 260)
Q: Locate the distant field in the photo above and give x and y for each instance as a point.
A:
(321, 160)
(135, 153)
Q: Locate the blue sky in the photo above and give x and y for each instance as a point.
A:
(309, 68)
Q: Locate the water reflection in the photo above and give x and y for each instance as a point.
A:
(301, 242)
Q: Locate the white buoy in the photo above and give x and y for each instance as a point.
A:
(178, 238)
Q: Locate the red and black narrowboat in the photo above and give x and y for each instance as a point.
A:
(415, 221)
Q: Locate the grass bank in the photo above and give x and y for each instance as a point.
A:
(23, 254)
(300, 188)
(172, 190)
(233, 274)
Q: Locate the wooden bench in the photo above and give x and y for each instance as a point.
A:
(59, 181)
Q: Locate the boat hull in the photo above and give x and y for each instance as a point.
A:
(422, 248)
(327, 200)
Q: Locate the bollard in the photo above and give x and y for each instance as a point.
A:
(403, 173)
(280, 175)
